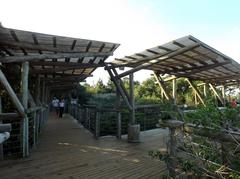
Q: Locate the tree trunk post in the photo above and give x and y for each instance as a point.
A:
(24, 91)
(97, 125)
(223, 95)
(133, 128)
(174, 92)
(119, 125)
(1, 145)
(172, 160)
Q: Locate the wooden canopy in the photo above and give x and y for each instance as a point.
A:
(184, 57)
(60, 60)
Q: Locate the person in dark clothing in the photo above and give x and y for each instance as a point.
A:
(61, 108)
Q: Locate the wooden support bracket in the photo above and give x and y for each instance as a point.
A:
(216, 93)
(199, 95)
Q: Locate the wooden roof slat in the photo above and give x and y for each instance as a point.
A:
(202, 62)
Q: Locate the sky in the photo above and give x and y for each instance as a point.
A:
(135, 24)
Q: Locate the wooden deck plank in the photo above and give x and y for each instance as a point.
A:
(67, 150)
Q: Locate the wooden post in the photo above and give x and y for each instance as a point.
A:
(195, 98)
(131, 82)
(133, 128)
(97, 125)
(12, 94)
(118, 87)
(173, 153)
(33, 105)
(174, 92)
(37, 99)
(223, 95)
(119, 125)
(1, 145)
(24, 91)
(205, 90)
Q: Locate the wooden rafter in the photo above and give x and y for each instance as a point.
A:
(159, 58)
(10, 59)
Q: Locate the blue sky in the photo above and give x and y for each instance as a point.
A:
(135, 24)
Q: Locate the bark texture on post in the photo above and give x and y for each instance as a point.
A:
(119, 122)
(24, 91)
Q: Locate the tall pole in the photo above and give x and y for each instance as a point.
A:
(131, 81)
(118, 103)
(223, 95)
(24, 91)
(174, 92)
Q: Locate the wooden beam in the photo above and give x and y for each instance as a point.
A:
(40, 47)
(67, 78)
(158, 58)
(12, 116)
(216, 93)
(53, 70)
(5, 127)
(118, 87)
(162, 86)
(196, 91)
(197, 69)
(10, 59)
(66, 64)
(121, 84)
(12, 94)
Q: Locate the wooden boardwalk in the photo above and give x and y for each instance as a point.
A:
(67, 150)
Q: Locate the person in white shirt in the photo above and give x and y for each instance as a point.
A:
(55, 104)
(61, 108)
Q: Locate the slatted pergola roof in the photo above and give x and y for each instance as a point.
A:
(60, 60)
(185, 57)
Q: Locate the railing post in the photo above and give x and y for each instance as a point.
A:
(172, 164)
(119, 125)
(86, 117)
(1, 145)
(119, 120)
(97, 125)
(24, 92)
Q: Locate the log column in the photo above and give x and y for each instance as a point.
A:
(24, 92)
(1, 145)
(174, 92)
(133, 128)
(119, 121)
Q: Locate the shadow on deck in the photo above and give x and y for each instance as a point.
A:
(67, 150)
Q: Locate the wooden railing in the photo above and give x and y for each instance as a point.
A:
(178, 131)
(21, 132)
(114, 121)
(90, 117)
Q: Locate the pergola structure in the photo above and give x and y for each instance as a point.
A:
(51, 62)
(185, 57)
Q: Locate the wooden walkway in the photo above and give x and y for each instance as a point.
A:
(67, 150)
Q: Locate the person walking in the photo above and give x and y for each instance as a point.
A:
(55, 104)
(61, 108)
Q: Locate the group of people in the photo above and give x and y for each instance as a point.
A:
(58, 106)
